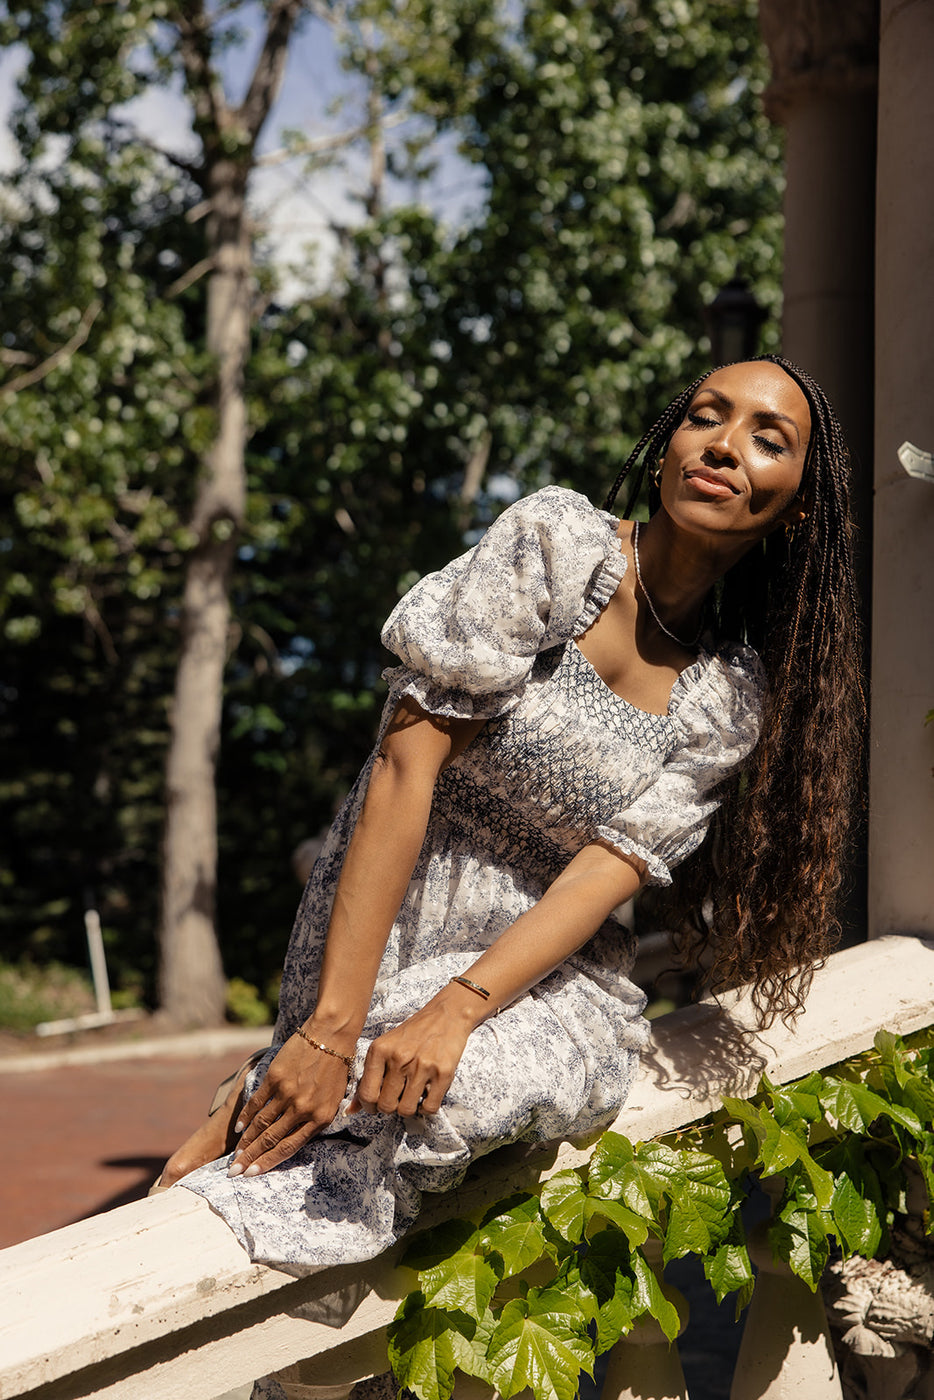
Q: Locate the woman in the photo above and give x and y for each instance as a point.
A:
(567, 719)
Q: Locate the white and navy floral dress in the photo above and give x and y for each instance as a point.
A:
(560, 762)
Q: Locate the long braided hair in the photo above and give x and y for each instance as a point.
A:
(759, 904)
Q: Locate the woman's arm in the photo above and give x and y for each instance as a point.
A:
(304, 1086)
(410, 1068)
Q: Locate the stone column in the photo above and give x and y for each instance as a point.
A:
(901, 886)
(823, 91)
(823, 55)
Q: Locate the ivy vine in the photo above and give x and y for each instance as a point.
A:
(528, 1297)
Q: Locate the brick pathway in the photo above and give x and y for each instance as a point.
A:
(81, 1139)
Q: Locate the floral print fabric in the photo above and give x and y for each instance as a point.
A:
(560, 762)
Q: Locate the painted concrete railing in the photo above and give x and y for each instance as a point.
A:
(157, 1300)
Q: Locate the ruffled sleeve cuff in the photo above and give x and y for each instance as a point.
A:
(657, 871)
(447, 702)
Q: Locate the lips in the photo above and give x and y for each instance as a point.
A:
(710, 483)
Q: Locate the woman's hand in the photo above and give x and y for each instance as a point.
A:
(409, 1069)
(299, 1096)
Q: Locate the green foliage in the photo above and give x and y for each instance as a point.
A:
(529, 1296)
(245, 1005)
(623, 168)
(30, 994)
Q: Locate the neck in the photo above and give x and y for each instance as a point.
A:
(678, 571)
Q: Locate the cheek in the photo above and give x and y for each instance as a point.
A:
(771, 499)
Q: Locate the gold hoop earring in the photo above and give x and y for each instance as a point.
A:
(657, 473)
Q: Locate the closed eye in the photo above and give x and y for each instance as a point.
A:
(770, 448)
(699, 421)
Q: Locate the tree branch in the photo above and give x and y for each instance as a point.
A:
(32, 376)
(316, 145)
(267, 75)
(187, 279)
(204, 86)
(178, 162)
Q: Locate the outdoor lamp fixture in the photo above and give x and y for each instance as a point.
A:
(733, 320)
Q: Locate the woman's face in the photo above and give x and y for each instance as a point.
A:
(734, 465)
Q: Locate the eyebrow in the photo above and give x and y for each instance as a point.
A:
(762, 415)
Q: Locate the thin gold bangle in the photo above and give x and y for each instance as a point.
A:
(474, 987)
(347, 1060)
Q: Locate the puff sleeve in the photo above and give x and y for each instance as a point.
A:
(469, 634)
(717, 711)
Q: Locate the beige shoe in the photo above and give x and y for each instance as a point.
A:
(217, 1103)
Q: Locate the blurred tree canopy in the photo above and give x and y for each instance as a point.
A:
(423, 374)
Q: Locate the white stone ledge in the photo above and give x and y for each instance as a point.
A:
(156, 1300)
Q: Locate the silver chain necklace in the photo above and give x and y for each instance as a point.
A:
(645, 593)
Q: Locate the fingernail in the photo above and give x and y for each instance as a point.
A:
(239, 1126)
(235, 1169)
(251, 1171)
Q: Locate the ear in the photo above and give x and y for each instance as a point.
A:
(794, 513)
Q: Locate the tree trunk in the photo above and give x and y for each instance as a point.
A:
(191, 975)
(192, 986)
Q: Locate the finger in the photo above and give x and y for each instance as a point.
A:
(271, 1113)
(252, 1106)
(412, 1095)
(265, 1141)
(435, 1092)
(392, 1089)
(275, 1154)
(371, 1080)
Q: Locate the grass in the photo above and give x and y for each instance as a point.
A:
(30, 994)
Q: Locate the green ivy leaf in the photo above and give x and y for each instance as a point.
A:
(857, 1207)
(778, 1146)
(420, 1349)
(617, 1175)
(605, 1271)
(540, 1343)
(905, 1079)
(781, 1147)
(564, 1204)
(633, 1226)
(857, 1107)
(728, 1270)
(647, 1297)
(798, 1236)
(572, 1285)
(798, 1103)
(891, 1049)
(464, 1281)
(431, 1247)
(470, 1341)
(700, 1211)
(857, 1223)
(513, 1230)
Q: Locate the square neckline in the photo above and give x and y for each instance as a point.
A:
(637, 709)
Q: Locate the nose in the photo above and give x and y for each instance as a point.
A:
(721, 445)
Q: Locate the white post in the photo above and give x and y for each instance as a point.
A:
(786, 1349)
(105, 1013)
(92, 927)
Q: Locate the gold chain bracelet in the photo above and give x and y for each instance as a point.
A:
(347, 1060)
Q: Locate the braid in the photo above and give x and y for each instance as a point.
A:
(781, 834)
(652, 443)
